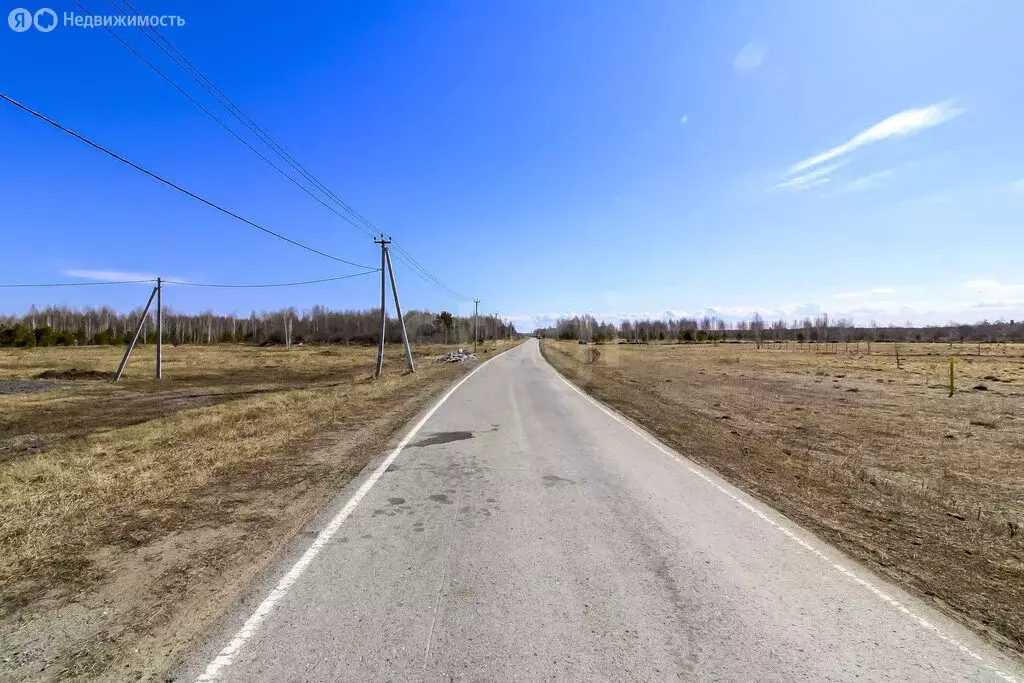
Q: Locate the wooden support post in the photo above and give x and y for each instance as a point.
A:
(398, 311)
(135, 337)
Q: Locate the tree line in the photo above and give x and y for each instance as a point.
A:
(819, 329)
(63, 326)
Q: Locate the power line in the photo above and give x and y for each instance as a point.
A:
(222, 99)
(82, 284)
(274, 284)
(403, 255)
(207, 111)
(179, 188)
(189, 284)
(204, 82)
(428, 278)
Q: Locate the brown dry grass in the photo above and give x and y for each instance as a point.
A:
(130, 513)
(927, 489)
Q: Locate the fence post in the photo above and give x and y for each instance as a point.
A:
(952, 378)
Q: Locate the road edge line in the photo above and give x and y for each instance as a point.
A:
(227, 655)
(696, 469)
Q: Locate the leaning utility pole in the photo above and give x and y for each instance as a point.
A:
(476, 317)
(385, 271)
(138, 331)
(398, 311)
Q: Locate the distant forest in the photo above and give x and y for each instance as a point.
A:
(62, 326)
(820, 329)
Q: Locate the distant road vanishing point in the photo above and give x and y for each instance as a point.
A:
(526, 532)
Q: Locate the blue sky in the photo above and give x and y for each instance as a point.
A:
(619, 159)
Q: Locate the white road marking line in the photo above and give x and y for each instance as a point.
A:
(679, 458)
(226, 656)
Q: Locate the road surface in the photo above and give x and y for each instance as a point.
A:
(527, 533)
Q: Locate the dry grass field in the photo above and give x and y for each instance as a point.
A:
(132, 514)
(926, 488)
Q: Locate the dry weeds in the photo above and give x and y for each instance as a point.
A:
(131, 514)
(926, 488)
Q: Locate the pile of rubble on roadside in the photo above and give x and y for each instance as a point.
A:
(456, 356)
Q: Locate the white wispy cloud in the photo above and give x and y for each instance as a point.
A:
(749, 58)
(928, 199)
(818, 176)
(683, 119)
(918, 311)
(991, 300)
(1017, 185)
(893, 311)
(993, 288)
(115, 275)
(864, 293)
(866, 182)
(902, 124)
(107, 275)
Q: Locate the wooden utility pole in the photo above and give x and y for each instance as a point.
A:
(383, 313)
(159, 328)
(386, 270)
(476, 317)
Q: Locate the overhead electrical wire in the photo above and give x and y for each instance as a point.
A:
(206, 111)
(357, 220)
(192, 284)
(179, 188)
(405, 257)
(79, 284)
(273, 284)
(351, 216)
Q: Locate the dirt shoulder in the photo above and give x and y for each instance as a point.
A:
(132, 517)
(924, 488)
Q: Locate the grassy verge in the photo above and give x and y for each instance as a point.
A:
(874, 457)
(130, 515)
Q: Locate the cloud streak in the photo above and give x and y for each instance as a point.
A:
(866, 182)
(818, 176)
(748, 59)
(864, 293)
(107, 275)
(114, 275)
(992, 300)
(904, 123)
(993, 288)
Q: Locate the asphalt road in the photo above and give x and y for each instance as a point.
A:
(527, 533)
